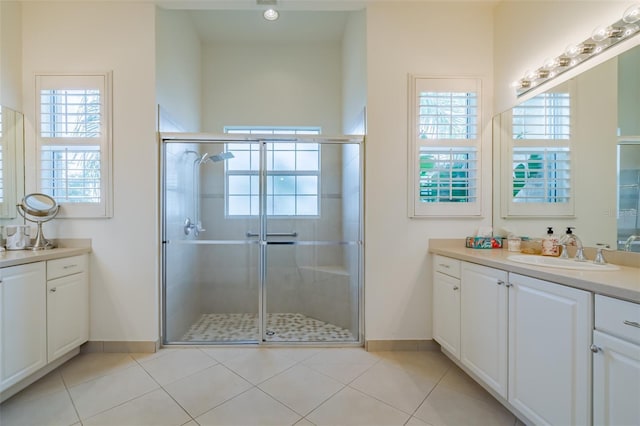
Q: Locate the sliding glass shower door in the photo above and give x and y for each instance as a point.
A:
(261, 240)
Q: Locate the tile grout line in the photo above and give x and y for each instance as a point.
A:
(431, 391)
(73, 404)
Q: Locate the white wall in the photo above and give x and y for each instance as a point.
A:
(354, 73)
(529, 32)
(433, 39)
(178, 68)
(11, 55)
(263, 84)
(101, 36)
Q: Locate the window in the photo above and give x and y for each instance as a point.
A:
(445, 141)
(293, 175)
(539, 180)
(74, 142)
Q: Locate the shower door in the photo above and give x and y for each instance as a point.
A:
(261, 240)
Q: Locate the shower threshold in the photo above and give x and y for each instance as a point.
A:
(280, 327)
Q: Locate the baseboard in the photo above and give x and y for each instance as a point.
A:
(401, 345)
(119, 346)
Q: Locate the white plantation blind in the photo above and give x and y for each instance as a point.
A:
(539, 181)
(546, 116)
(445, 144)
(541, 175)
(71, 173)
(448, 175)
(448, 115)
(71, 113)
(74, 142)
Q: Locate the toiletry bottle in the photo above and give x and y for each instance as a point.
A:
(550, 246)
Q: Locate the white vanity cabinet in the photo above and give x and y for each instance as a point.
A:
(549, 351)
(526, 340)
(616, 362)
(67, 305)
(483, 324)
(44, 318)
(446, 304)
(23, 322)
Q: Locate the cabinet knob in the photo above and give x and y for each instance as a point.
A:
(53, 290)
(500, 282)
(595, 349)
(455, 287)
(508, 285)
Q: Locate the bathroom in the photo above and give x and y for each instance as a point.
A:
(126, 262)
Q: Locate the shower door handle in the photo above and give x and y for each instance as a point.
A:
(274, 234)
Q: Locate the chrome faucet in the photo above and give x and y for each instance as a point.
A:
(631, 239)
(599, 260)
(572, 239)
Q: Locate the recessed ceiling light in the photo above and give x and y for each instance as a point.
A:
(271, 14)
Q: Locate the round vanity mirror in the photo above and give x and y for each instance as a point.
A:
(38, 208)
(40, 205)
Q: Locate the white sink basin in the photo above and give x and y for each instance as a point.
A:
(556, 262)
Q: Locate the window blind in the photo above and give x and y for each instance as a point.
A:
(445, 145)
(538, 177)
(541, 175)
(71, 174)
(447, 115)
(73, 132)
(448, 175)
(544, 117)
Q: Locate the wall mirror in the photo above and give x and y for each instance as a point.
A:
(600, 163)
(11, 164)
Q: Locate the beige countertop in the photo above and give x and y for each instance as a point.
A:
(66, 249)
(623, 283)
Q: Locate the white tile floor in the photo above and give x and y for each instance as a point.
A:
(256, 386)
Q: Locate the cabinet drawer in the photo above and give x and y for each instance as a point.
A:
(447, 266)
(67, 266)
(618, 317)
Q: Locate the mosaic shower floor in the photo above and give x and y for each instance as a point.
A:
(282, 327)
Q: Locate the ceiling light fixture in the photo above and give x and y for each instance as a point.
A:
(601, 39)
(271, 14)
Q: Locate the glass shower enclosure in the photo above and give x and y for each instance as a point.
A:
(261, 239)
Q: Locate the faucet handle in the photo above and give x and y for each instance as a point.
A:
(599, 256)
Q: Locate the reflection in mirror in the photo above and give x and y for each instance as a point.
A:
(11, 163)
(604, 162)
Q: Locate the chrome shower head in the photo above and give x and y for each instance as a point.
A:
(221, 157)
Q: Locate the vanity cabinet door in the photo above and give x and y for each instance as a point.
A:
(616, 381)
(67, 313)
(484, 324)
(550, 329)
(23, 328)
(446, 312)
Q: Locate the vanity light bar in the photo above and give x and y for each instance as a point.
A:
(601, 39)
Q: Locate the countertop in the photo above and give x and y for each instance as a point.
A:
(623, 283)
(66, 249)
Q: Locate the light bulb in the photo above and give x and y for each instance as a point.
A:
(271, 14)
(600, 34)
(572, 50)
(632, 14)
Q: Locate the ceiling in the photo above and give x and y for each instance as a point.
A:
(293, 26)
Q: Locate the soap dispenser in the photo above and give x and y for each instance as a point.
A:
(550, 246)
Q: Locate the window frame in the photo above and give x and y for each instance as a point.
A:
(275, 131)
(102, 81)
(512, 209)
(417, 208)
